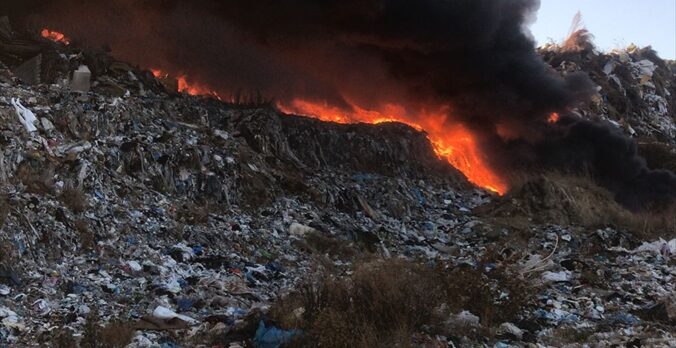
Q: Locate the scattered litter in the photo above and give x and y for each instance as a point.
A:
(164, 318)
(26, 116)
(562, 276)
(273, 337)
(660, 247)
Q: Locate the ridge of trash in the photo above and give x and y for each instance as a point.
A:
(185, 219)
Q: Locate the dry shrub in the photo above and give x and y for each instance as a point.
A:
(113, 335)
(658, 155)
(194, 214)
(249, 100)
(384, 303)
(564, 335)
(575, 200)
(74, 199)
(321, 244)
(4, 209)
(87, 237)
(578, 41)
(36, 177)
(116, 335)
(557, 198)
(63, 338)
(650, 225)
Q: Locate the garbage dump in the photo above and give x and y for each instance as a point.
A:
(136, 216)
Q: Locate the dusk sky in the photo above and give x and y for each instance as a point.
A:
(614, 23)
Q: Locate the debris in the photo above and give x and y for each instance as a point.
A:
(660, 247)
(29, 72)
(273, 337)
(562, 276)
(164, 318)
(511, 331)
(81, 81)
(463, 319)
(299, 230)
(26, 116)
(187, 205)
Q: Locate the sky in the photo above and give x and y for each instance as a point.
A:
(614, 23)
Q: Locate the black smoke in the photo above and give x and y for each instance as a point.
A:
(475, 56)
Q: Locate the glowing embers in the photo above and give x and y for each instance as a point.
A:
(454, 143)
(55, 36)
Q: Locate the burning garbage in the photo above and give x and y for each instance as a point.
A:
(329, 173)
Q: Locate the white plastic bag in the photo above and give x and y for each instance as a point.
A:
(26, 116)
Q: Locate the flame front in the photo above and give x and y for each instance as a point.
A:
(55, 36)
(454, 143)
(184, 86)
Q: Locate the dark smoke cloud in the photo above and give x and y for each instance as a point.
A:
(474, 55)
(612, 159)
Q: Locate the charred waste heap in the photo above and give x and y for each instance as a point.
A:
(457, 69)
(163, 181)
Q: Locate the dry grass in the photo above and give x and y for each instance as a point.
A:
(116, 335)
(194, 214)
(4, 209)
(249, 100)
(658, 156)
(73, 198)
(35, 177)
(63, 339)
(86, 236)
(384, 303)
(113, 335)
(318, 243)
(575, 200)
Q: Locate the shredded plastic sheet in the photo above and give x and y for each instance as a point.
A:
(273, 337)
(26, 116)
(166, 314)
(661, 247)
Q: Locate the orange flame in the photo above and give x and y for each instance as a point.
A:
(184, 86)
(455, 143)
(553, 118)
(55, 36)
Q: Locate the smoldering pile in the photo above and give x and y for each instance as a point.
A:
(474, 58)
(133, 215)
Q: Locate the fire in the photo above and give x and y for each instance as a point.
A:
(554, 118)
(455, 143)
(184, 86)
(55, 36)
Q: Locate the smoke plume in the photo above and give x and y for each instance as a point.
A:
(474, 58)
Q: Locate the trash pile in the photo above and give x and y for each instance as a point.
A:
(636, 88)
(183, 219)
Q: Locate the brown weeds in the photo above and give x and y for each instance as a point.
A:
(36, 178)
(86, 236)
(4, 209)
(113, 335)
(194, 214)
(74, 199)
(384, 303)
(575, 200)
